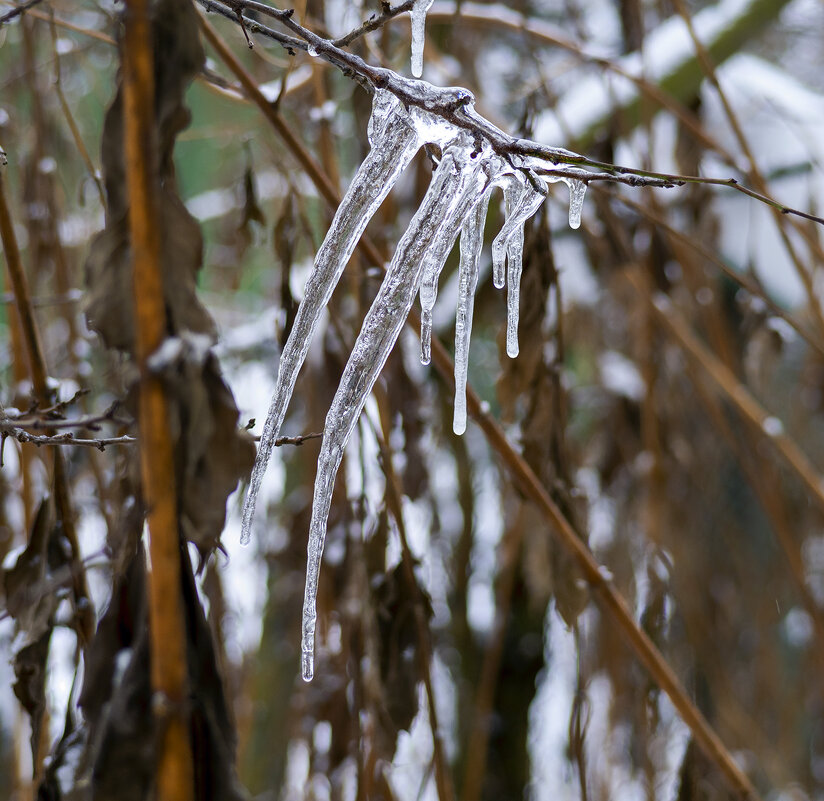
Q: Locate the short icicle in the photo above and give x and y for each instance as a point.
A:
(577, 190)
(472, 240)
(454, 189)
(513, 188)
(394, 142)
(418, 16)
(529, 199)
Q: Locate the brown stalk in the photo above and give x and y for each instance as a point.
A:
(477, 749)
(762, 477)
(84, 608)
(443, 780)
(754, 174)
(740, 278)
(731, 388)
(603, 590)
(174, 781)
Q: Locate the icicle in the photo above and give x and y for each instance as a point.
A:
(529, 199)
(472, 240)
(513, 187)
(577, 190)
(426, 336)
(418, 15)
(434, 227)
(394, 142)
(433, 265)
(515, 256)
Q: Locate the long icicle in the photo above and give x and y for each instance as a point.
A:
(472, 240)
(450, 196)
(433, 266)
(394, 142)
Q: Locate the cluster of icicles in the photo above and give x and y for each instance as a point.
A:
(456, 202)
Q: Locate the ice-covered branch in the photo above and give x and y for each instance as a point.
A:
(475, 157)
(451, 110)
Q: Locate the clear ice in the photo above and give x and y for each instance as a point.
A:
(456, 202)
(472, 240)
(394, 142)
(418, 15)
(577, 190)
(453, 191)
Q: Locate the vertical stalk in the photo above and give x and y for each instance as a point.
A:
(166, 617)
(84, 609)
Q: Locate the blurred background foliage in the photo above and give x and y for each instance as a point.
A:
(709, 525)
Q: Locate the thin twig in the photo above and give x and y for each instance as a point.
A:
(374, 22)
(21, 435)
(16, 12)
(604, 591)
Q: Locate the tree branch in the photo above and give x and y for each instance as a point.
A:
(455, 106)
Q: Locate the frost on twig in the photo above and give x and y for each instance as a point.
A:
(456, 202)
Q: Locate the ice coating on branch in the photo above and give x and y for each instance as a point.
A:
(577, 190)
(450, 197)
(418, 15)
(472, 240)
(394, 141)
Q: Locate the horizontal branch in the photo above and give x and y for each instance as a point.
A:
(454, 105)
(7, 429)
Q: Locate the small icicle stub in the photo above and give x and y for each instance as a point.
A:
(456, 202)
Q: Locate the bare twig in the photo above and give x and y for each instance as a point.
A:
(374, 22)
(52, 418)
(21, 435)
(16, 12)
(174, 781)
